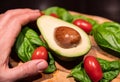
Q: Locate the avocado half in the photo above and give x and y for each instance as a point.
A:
(47, 26)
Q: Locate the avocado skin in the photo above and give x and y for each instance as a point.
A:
(64, 58)
(67, 58)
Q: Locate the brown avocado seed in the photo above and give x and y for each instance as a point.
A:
(67, 37)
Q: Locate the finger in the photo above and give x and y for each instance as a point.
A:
(11, 27)
(28, 69)
(20, 20)
(18, 11)
(9, 15)
(27, 17)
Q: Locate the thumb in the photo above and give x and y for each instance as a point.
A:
(28, 68)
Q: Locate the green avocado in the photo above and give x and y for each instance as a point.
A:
(54, 31)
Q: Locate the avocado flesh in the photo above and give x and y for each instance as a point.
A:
(47, 26)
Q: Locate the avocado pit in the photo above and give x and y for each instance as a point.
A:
(66, 37)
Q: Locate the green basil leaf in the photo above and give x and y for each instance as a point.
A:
(110, 69)
(110, 75)
(79, 73)
(61, 12)
(26, 42)
(107, 35)
(109, 65)
(51, 67)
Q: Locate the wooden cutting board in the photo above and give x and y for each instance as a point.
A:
(63, 69)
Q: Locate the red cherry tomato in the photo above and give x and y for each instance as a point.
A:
(83, 24)
(41, 13)
(93, 68)
(40, 53)
(54, 15)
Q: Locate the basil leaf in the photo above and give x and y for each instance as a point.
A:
(51, 67)
(26, 42)
(107, 35)
(110, 75)
(79, 73)
(110, 69)
(61, 12)
(109, 65)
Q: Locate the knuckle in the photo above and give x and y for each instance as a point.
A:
(8, 14)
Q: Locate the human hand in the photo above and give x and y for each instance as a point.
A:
(10, 26)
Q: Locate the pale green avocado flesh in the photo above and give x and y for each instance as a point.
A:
(47, 26)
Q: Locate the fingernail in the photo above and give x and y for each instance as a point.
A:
(42, 65)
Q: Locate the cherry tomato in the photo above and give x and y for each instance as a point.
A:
(83, 24)
(41, 13)
(40, 53)
(93, 68)
(54, 15)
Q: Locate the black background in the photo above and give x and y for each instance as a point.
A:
(105, 8)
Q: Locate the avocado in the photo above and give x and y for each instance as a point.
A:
(65, 39)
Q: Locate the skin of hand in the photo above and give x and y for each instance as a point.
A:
(11, 23)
